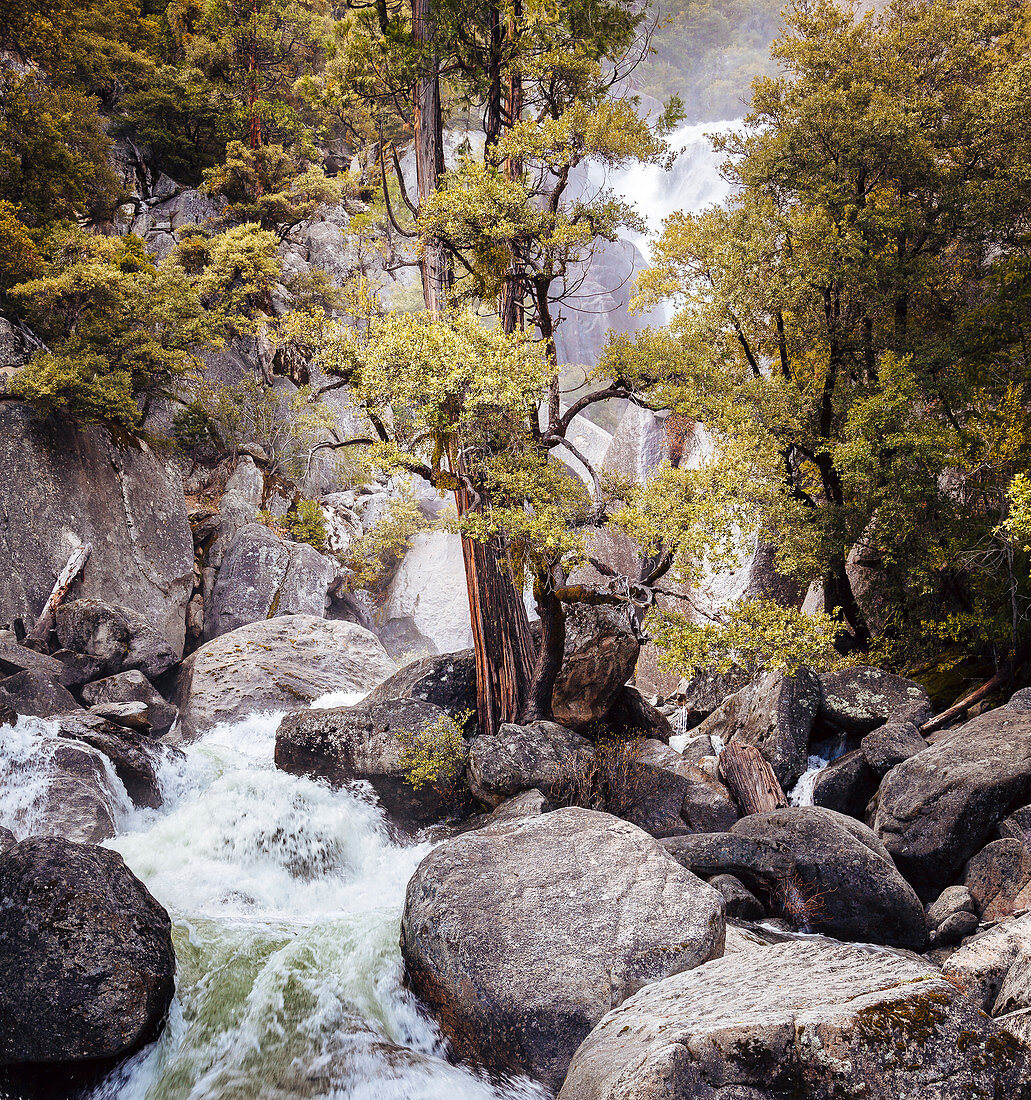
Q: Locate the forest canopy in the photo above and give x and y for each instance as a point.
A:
(848, 333)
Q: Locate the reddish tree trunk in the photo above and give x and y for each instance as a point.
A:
(501, 631)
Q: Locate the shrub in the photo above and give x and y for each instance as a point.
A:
(374, 557)
(435, 755)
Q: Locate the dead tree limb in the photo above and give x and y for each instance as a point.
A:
(45, 622)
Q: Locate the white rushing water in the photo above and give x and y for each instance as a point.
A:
(693, 183)
(286, 899)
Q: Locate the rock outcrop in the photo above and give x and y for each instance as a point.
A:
(599, 657)
(276, 664)
(846, 884)
(543, 756)
(775, 714)
(816, 1020)
(133, 687)
(520, 936)
(861, 698)
(263, 576)
(113, 639)
(936, 809)
(368, 742)
(59, 481)
(87, 969)
(447, 681)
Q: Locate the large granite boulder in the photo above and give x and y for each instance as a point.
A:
(764, 865)
(133, 687)
(846, 885)
(59, 481)
(860, 699)
(447, 681)
(936, 809)
(369, 742)
(87, 969)
(36, 694)
(981, 967)
(542, 755)
(520, 936)
(276, 665)
(600, 654)
(775, 714)
(890, 744)
(846, 784)
(263, 576)
(132, 754)
(999, 879)
(113, 638)
(57, 787)
(665, 794)
(817, 1020)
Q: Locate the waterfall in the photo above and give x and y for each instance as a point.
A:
(286, 899)
(692, 184)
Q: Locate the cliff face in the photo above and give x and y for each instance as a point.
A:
(59, 482)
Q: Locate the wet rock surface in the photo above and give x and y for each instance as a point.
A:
(368, 742)
(86, 962)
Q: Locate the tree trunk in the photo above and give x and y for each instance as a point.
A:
(750, 779)
(437, 274)
(511, 303)
(549, 656)
(838, 595)
(502, 644)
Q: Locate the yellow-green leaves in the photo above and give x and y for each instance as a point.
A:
(755, 635)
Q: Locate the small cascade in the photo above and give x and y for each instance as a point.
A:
(286, 899)
(821, 754)
(28, 769)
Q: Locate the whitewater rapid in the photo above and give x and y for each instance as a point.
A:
(286, 899)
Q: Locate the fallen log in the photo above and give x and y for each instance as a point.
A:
(44, 624)
(957, 710)
(750, 779)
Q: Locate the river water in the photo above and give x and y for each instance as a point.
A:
(286, 899)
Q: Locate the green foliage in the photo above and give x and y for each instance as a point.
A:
(1018, 523)
(257, 54)
(119, 327)
(271, 186)
(19, 258)
(307, 523)
(373, 559)
(176, 112)
(756, 635)
(239, 270)
(832, 312)
(435, 755)
(53, 151)
(219, 419)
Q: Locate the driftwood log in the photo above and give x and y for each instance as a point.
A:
(750, 779)
(45, 622)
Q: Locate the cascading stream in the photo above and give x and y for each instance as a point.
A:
(286, 899)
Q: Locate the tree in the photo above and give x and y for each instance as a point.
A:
(120, 330)
(832, 312)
